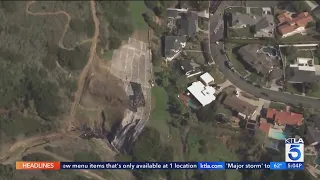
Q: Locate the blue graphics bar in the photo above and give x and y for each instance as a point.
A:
(183, 165)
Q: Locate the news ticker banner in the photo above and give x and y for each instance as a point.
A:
(37, 165)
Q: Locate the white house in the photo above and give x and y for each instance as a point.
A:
(204, 94)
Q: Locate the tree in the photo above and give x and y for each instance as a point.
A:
(181, 83)
(114, 43)
(311, 24)
(159, 11)
(300, 6)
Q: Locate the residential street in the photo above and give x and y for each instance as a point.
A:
(235, 79)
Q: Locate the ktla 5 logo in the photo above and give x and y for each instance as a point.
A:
(294, 150)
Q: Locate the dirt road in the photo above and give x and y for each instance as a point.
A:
(65, 27)
(86, 69)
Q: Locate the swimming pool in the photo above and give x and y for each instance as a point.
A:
(276, 134)
(270, 51)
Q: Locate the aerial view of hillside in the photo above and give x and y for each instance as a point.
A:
(158, 81)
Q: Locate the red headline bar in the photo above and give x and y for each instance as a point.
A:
(39, 165)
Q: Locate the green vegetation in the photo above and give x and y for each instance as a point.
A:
(294, 88)
(241, 32)
(312, 89)
(108, 55)
(238, 65)
(159, 116)
(217, 75)
(256, 11)
(277, 106)
(235, 9)
(301, 6)
(298, 38)
(138, 8)
(120, 27)
(84, 156)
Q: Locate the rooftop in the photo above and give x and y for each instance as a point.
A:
(257, 60)
(285, 118)
(187, 24)
(186, 66)
(289, 24)
(172, 44)
(239, 105)
(265, 127)
(204, 94)
(207, 78)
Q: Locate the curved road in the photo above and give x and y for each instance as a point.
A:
(235, 78)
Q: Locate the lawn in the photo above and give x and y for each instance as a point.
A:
(217, 75)
(159, 114)
(240, 32)
(235, 9)
(254, 77)
(256, 11)
(298, 38)
(277, 106)
(137, 8)
(292, 88)
(315, 92)
(216, 150)
(235, 61)
(304, 53)
(108, 55)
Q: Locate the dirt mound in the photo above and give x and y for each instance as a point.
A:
(104, 92)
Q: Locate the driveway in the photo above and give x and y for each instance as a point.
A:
(235, 78)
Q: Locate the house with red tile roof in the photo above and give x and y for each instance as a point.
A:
(284, 117)
(289, 26)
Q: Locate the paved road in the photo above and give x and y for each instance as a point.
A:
(235, 78)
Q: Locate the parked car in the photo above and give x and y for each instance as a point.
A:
(217, 42)
(222, 51)
(228, 64)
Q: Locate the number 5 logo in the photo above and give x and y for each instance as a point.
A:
(294, 149)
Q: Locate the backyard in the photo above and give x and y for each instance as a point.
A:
(159, 114)
(256, 11)
(277, 106)
(240, 32)
(298, 38)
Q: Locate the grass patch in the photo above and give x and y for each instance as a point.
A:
(240, 32)
(304, 53)
(84, 156)
(159, 114)
(138, 8)
(108, 55)
(293, 88)
(256, 11)
(235, 9)
(254, 77)
(225, 111)
(298, 38)
(315, 91)
(218, 77)
(277, 106)
(215, 149)
(235, 61)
